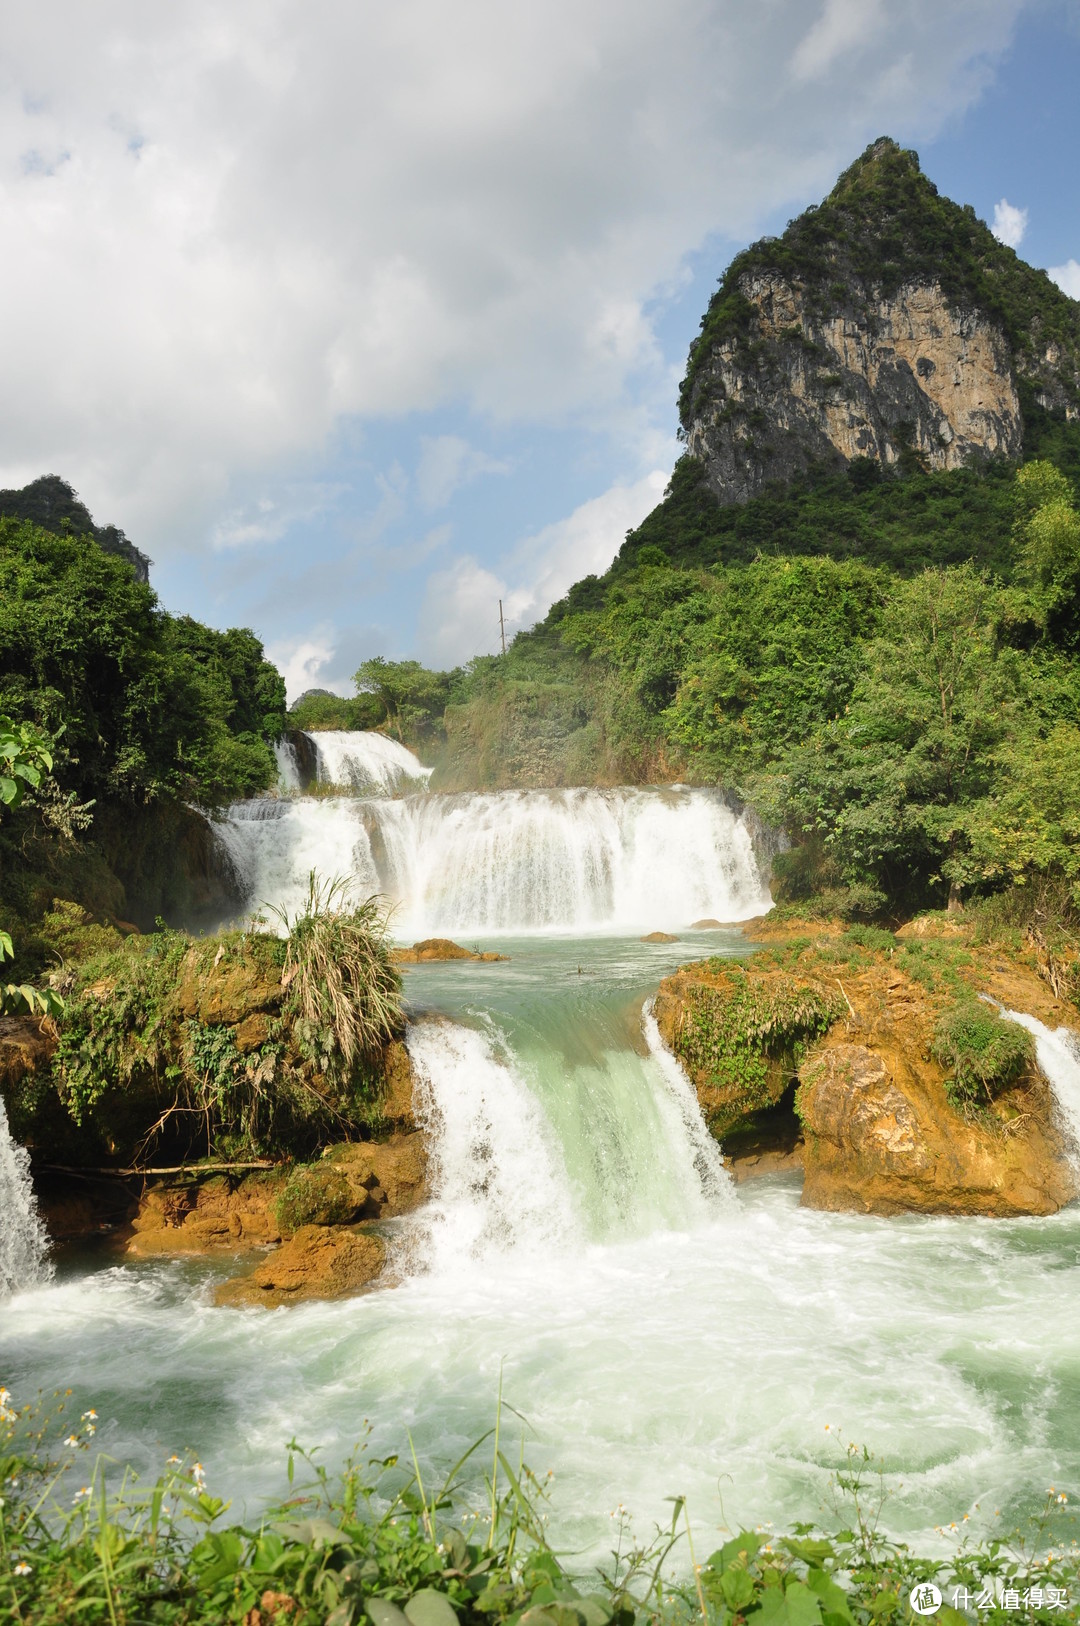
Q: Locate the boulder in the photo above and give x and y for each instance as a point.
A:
(659, 937)
(882, 1138)
(319, 1262)
(214, 1215)
(439, 948)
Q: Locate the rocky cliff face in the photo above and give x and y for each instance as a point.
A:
(888, 325)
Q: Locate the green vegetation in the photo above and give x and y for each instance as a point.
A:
(139, 714)
(984, 1053)
(379, 1545)
(749, 1036)
(319, 709)
(240, 1045)
(314, 1195)
(342, 993)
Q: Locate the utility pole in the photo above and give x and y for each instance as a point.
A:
(502, 628)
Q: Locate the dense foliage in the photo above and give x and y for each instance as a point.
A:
(146, 705)
(378, 1545)
(238, 1045)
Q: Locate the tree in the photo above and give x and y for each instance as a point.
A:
(888, 785)
(413, 697)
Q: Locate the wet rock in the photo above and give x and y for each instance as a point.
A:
(439, 948)
(660, 937)
(319, 1262)
(705, 925)
(386, 1178)
(192, 1216)
(882, 1138)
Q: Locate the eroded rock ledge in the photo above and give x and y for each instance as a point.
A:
(835, 1032)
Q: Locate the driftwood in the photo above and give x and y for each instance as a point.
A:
(180, 1168)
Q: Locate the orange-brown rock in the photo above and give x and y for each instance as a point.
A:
(387, 1178)
(397, 1102)
(660, 937)
(438, 948)
(192, 1216)
(26, 1046)
(228, 992)
(881, 1135)
(319, 1262)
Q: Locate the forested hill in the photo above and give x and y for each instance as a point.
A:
(886, 324)
(881, 651)
(51, 503)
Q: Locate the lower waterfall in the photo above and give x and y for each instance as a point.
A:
(23, 1240)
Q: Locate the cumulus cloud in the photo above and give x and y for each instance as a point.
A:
(1067, 277)
(460, 614)
(1010, 223)
(302, 661)
(231, 228)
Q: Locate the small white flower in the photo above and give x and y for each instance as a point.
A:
(71, 1440)
(81, 1494)
(23, 1568)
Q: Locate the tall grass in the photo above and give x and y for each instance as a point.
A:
(341, 989)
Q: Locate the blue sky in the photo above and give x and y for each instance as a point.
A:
(358, 321)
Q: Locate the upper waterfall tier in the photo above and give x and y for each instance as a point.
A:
(369, 764)
(570, 860)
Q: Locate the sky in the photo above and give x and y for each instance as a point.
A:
(358, 319)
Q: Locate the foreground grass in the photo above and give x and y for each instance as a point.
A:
(82, 1542)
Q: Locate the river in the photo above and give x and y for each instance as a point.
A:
(664, 1331)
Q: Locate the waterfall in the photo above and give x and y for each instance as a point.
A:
(564, 860)
(23, 1240)
(1057, 1051)
(287, 766)
(538, 1153)
(369, 764)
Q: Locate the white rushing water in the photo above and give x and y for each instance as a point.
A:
(23, 1240)
(287, 766)
(369, 764)
(570, 860)
(1057, 1051)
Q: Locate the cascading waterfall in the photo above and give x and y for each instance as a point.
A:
(1057, 1051)
(23, 1239)
(566, 860)
(287, 766)
(535, 1153)
(368, 763)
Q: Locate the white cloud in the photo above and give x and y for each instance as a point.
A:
(843, 26)
(267, 519)
(447, 462)
(460, 614)
(1010, 223)
(301, 661)
(231, 227)
(1067, 277)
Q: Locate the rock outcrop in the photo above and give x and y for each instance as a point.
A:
(318, 1262)
(881, 1126)
(432, 949)
(887, 325)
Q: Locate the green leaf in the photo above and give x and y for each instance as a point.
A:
(431, 1608)
(833, 1597)
(383, 1613)
(795, 1606)
(737, 1585)
(742, 1547)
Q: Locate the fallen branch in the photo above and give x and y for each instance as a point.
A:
(179, 1168)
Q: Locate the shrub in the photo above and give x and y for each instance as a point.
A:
(871, 937)
(740, 1034)
(983, 1052)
